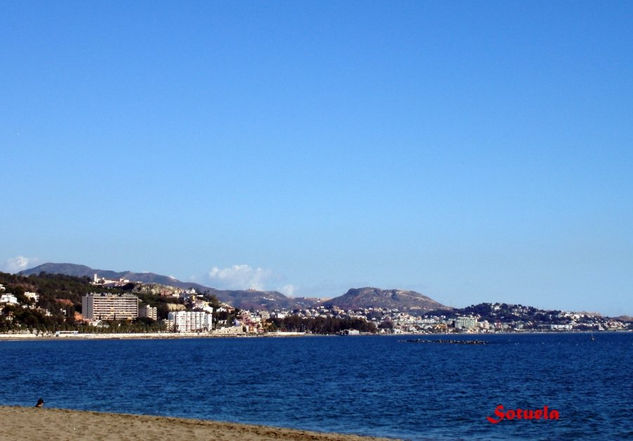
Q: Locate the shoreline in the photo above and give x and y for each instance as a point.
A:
(145, 336)
(176, 336)
(30, 423)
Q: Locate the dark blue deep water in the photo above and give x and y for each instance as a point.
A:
(364, 385)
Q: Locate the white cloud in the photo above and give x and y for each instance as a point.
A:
(247, 277)
(240, 277)
(288, 290)
(19, 263)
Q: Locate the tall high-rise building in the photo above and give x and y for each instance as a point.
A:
(107, 306)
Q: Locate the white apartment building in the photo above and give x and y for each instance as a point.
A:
(148, 311)
(465, 323)
(190, 321)
(109, 306)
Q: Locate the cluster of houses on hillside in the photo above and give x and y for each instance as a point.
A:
(520, 319)
(7, 298)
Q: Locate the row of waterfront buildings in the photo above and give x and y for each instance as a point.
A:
(105, 306)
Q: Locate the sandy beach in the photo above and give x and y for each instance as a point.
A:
(27, 423)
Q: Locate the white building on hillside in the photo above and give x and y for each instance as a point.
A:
(32, 296)
(190, 321)
(96, 280)
(9, 299)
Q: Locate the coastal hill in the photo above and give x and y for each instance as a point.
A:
(243, 299)
(363, 298)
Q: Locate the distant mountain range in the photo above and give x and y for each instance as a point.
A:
(71, 269)
(360, 298)
(243, 299)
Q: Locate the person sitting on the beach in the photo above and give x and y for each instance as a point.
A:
(40, 403)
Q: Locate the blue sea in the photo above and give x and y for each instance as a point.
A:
(381, 386)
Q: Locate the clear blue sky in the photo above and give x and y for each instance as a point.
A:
(473, 151)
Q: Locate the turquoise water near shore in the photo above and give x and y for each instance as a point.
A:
(380, 386)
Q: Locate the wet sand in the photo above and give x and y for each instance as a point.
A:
(29, 423)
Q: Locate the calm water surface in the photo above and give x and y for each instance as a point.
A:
(365, 385)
